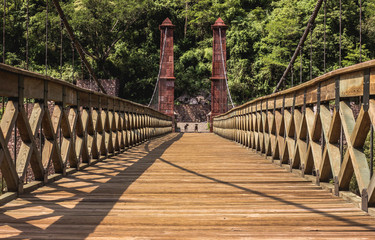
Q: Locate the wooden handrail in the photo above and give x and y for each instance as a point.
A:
(301, 126)
(67, 128)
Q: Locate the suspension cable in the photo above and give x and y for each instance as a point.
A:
(4, 22)
(73, 62)
(161, 62)
(82, 72)
(325, 36)
(46, 53)
(311, 33)
(76, 44)
(27, 34)
(225, 71)
(292, 75)
(61, 46)
(360, 30)
(300, 64)
(341, 145)
(301, 41)
(340, 29)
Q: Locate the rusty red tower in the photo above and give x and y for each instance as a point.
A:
(218, 84)
(166, 80)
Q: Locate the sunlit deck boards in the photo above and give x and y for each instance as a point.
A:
(183, 186)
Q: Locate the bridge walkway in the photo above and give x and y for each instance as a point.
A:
(192, 185)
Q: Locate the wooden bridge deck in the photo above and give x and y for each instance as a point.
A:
(183, 186)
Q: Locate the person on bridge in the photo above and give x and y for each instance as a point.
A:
(186, 127)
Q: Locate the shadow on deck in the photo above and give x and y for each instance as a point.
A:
(94, 191)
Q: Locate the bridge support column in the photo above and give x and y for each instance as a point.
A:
(218, 86)
(166, 81)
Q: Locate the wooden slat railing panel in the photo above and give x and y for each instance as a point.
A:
(68, 126)
(301, 126)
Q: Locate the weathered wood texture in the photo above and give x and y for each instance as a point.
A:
(68, 127)
(190, 186)
(301, 126)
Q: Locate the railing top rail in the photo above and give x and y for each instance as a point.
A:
(357, 68)
(34, 88)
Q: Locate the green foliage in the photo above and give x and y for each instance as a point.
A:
(122, 40)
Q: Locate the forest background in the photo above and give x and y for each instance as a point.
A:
(122, 40)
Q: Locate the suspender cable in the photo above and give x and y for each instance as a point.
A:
(27, 34)
(325, 36)
(4, 22)
(46, 54)
(72, 62)
(225, 71)
(300, 65)
(311, 32)
(341, 145)
(82, 71)
(292, 76)
(301, 41)
(360, 30)
(61, 46)
(340, 29)
(161, 62)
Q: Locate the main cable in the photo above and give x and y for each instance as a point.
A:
(301, 41)
(161, 62)
(225, 72)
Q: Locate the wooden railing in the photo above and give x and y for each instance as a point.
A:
(50, 127)
(301, 126)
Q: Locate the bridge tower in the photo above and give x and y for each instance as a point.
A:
(218, 85)
(166, 80)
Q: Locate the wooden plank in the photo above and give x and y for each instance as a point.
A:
(327, 90)
(34, 88)
(55, 92)
(8, 119)
(9, 84)
(372, 81)
(300, 97)
(311, 94)
(163, 190)
(351, 84)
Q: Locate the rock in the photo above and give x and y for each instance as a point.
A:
(193, 101)
(200, 99)
(191, 113)
(184, 99)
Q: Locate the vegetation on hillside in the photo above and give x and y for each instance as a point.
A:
(122, 40)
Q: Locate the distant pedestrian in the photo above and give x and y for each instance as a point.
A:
(185, 127)
(196, 128)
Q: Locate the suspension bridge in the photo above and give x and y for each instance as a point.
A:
(85, 164)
